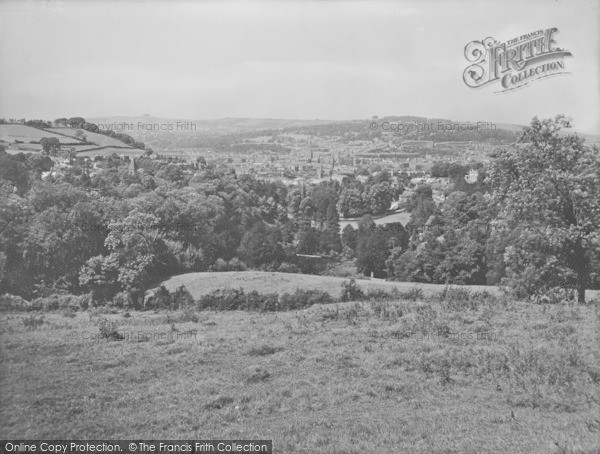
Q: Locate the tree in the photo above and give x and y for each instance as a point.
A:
(135, 246)
(331, 236)
(13, 172)
(372, 249)
(349, 237)
(378, 198)
(548, 187)
(79, 134)
(351, 203)
(50, 144)
(76, 122)
(261, 246)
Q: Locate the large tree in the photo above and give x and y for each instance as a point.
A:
(548, 188)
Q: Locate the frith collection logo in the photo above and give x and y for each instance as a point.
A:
(516, 62)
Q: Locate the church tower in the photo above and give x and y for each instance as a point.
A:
(132, 166)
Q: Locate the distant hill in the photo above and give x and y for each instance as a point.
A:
(149, 123)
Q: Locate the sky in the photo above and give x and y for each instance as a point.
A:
(331, 60)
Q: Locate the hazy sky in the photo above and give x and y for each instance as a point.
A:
(286, 59)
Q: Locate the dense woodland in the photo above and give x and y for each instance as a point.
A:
(531, 221)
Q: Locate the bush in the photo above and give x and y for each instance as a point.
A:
(163, 299)
(223, 300)
(412, 294)
(380, 294)
(219, 265)
(554, 296)
(61, 301)
(286, 267)
(108, 329)
(351, 291)
(301, 299)
(33, 322)
(236, 299)
(122, 300)
(48, 303)
(84, 301)
(14, 303)
(460, 298)
(181, 298)
(262, 302)
(234, 264)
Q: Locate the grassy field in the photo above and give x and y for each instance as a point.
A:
(12, 132)
(365, 377)
(200, 284)
(99, 139)
(403, 217)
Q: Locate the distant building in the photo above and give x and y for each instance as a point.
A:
(472, 176)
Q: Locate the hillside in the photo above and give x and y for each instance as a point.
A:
(200, 284)
(145, 123)
(267, 282)
(350, 378)
(13, 132)
(99, 139)
(19, 138)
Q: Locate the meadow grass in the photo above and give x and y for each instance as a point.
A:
(202, 283)
(389, 376)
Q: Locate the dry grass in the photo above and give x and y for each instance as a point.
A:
(344, 378)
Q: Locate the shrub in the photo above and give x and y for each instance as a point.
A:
(412, 294)
(379, 295)
(189, 315)
(223, 300)
(159, 299)
(108, 329)
(33, 322)
(219, 265)
(263, 302)
(122, 300)
(181, 298)
(303, 298)
(163, 299)
(351, 291)
(235, 264)
(14, 303)
(553, 296)
(236, 299)
(61, 301)
(84, 301)
(460, 298)
(48, 303)
(286, 267)
(69, 313)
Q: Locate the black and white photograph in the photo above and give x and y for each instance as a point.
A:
(319, 226)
